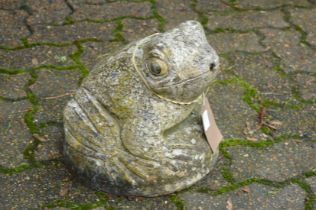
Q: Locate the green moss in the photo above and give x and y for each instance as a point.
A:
(310, 173)
(177, 202)
(24, 6)
(250, 95)
(11, 71)
(201, 16)
(266, 130)
(228, 30)
(69, 20)
(28, 119)
(227, 174)
(299, 180)
(303, 34)
(17, 169)
(76, 57)
(161, 20)
(29, 153)
(118, 31)
(26, 44)
(310, 198)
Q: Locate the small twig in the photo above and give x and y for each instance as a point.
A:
(262, 115)
(40, 138)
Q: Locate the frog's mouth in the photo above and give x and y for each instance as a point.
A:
(189, 80)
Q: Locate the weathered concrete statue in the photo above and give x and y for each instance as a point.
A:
(134, 125)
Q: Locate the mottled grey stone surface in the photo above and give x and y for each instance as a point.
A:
(15, 135)
(254, 196)
(133, 127)
(278, 162)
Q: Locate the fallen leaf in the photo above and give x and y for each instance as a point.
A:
(40, 138)
(65, 188)
(248, 131)
(34, 61)
(262, 115)
(245, 189)
(252, 139)
(229, 205)
(275, 123)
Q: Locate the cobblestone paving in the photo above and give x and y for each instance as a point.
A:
(264, 100)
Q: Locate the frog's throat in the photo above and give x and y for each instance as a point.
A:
(141, 43)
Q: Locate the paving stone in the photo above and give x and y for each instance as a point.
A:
(214, 5)
(312, 182)
(258, 70)
(12, 27)
(300, 121)
(306, 86)
(158, 203)
(295, 56)
(34, 188)
(36, 56)
(93, 51)
(9, 4)
(51, 138)
(232, 114)
(278, 162)
(47, 12)
(214, 180)
(11, 86)
(227, 42)
(14, 134)
(247, 20)
(182, 8)
(259, 197)
(110, 10)
(69, 33)
(269, 4)
(137, 29)
(54, 89)
(299, 17)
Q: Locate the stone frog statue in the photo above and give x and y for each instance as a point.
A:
(134, 125)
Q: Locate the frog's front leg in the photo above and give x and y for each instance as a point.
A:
(142, 138)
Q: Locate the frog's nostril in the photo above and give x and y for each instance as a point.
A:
(212, 66)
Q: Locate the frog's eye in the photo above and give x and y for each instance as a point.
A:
(158, 67)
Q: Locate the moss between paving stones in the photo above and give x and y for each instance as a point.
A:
(161, 20)
(201, 16)
(288, 18)
(177, 202)
(76, 59)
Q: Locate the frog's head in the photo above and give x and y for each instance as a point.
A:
(177, 65)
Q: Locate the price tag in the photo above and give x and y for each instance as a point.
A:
(212, 133)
